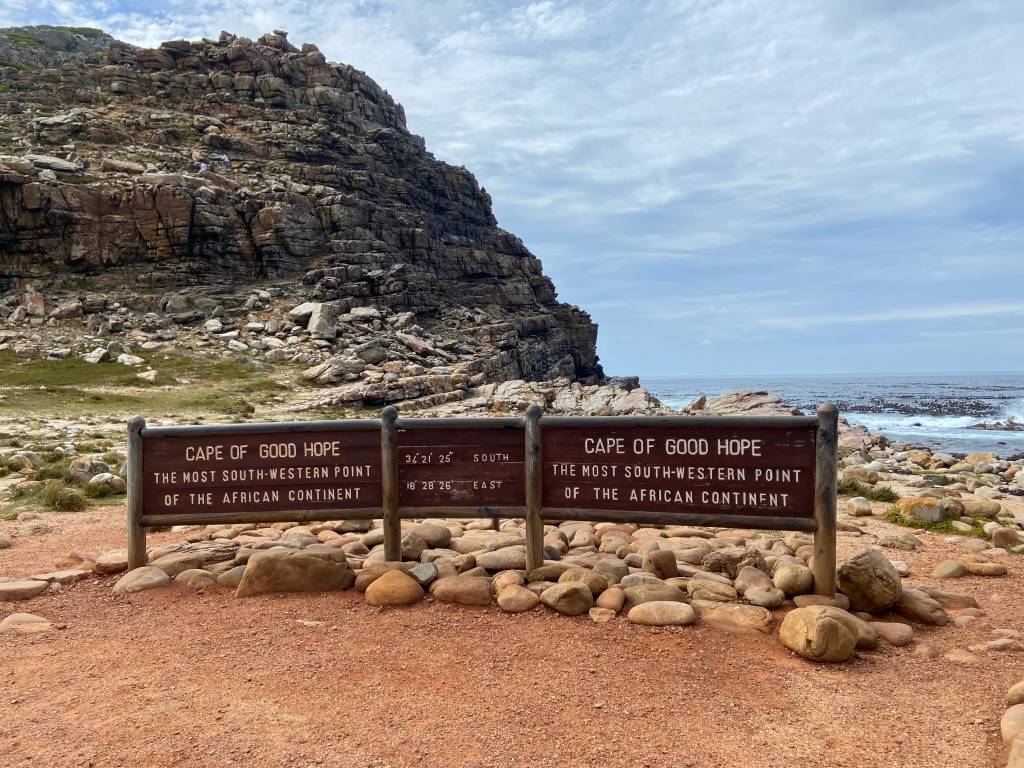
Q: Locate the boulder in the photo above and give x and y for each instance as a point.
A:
(1016, 694)
(662, 613)
(661, 562)
(749, 577)
(646, 593)
(114, 561)
(858, 506)
(870, 581)
(25, 624)
(1011, 726)
(595, 581)
(462, 590)
(813, 634)
(765, 597)
(22, 589)
(793, 579)
(177, 562)
(503, 559)
(611, 599)
(394, 588)
(571, 598)
(704, 589)
(146, 577)
(949, 569)
(196, 577)
(517, 599)
(917, 606)
(292, 571)
(894, 633)
(232, 577)
(733, 617)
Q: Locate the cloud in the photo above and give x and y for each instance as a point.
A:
(943, 312)
(661, 156)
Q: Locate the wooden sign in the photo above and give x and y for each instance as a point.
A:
(743, 472)
(729, 471)
(231, 472)
(460, 467)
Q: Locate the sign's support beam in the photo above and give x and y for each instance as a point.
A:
(826, 464)
(136, 531)
(534, 480)
(389, 479)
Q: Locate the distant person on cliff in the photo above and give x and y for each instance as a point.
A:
(225, 163)
(203, 167)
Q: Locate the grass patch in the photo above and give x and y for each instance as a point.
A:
(62, 498)
(99, 491)
(54, 470)
(88, 32)
(23, 38)
(896, 518)
(854, 488)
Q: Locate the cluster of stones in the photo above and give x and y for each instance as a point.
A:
(326, 187)
(83, 470)
(670, 576)
(1012, 725)
(364, 356)
(963, 493)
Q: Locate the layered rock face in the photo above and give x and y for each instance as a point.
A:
(310, 175)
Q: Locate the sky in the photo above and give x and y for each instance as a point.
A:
(729, 187)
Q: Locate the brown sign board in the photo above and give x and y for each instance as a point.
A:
(747, 471)
(261, 472)
(460, 467)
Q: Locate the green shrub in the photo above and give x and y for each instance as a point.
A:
(854, 488)
(56, 470)
(60, 497)
(99, 491)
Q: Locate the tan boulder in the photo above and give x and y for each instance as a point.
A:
(733, 617)
(462, 590)
(292, 571)
(662, 613)
(793, 579)
(570, 598)
(918, 606)
(114, 561)
(25, 624)
(1011, 726)
(22, 589)
(139, 579)
(646, 593)
(595, 581)
(612, 599)
(516, 598)
(870, 581)
(394, 588)
(814, 635)
(177, 562)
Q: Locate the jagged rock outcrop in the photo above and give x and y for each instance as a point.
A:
(112, 174)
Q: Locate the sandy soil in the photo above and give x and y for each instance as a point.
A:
(176, 677)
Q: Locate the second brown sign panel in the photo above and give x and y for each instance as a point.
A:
(462, 467)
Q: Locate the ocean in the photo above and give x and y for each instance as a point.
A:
(932, 410)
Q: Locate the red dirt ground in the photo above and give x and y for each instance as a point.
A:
(173, 677)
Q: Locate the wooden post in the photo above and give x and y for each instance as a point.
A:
(389, 484)
(534, 481)
(136, 531)
(826, 464)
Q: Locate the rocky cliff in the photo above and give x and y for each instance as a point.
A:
(165, 180)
